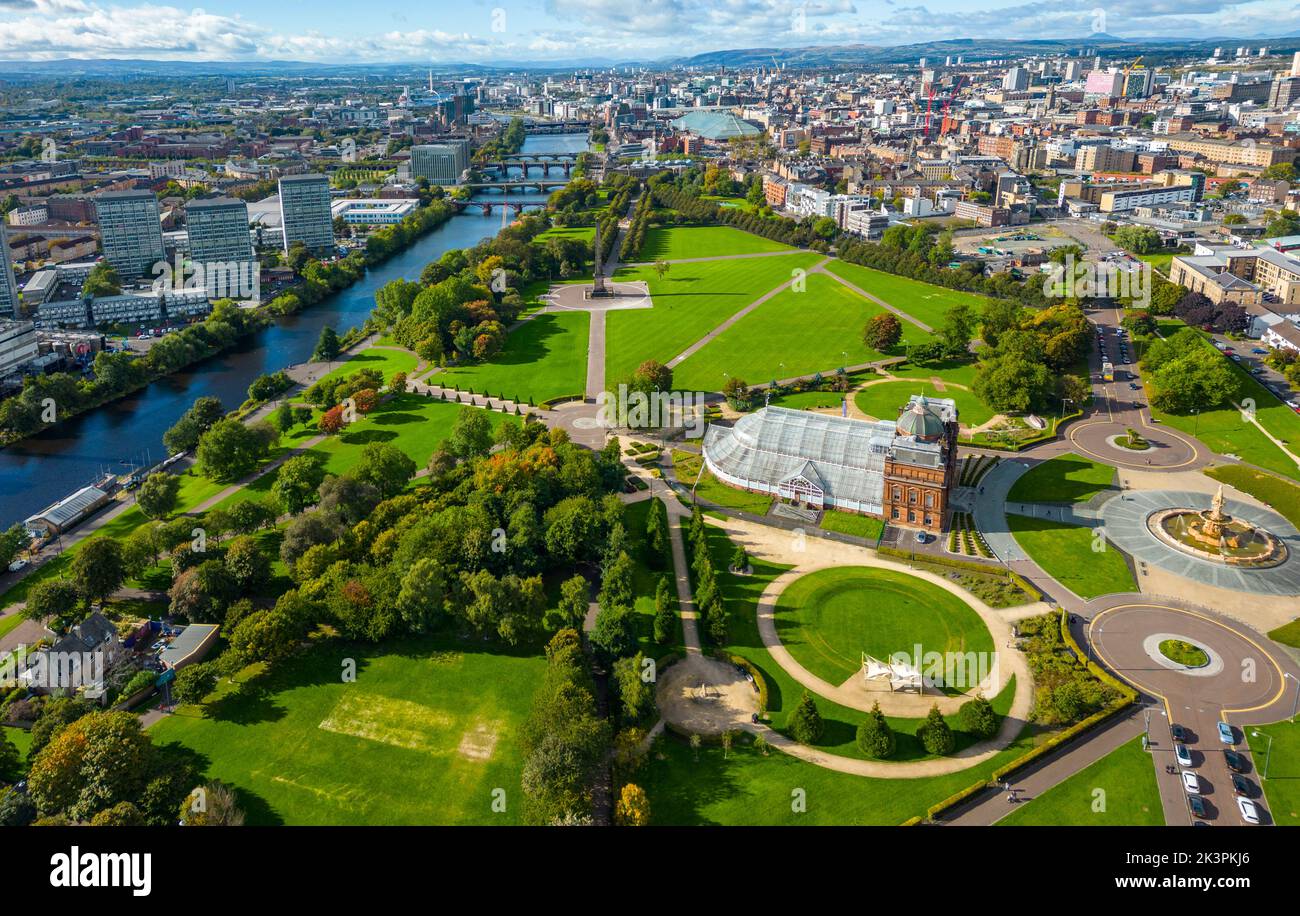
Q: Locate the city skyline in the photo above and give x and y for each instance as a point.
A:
(574, 31)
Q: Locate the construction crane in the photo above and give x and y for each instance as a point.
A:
(943, 129)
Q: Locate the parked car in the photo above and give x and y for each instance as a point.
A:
(1183, 754)
(1241, 785)
(1226, 734)
(1258, 351)
(1179, 733)
(1235, 761)
(1197, 804)
(1249, 813)
(1191, 783)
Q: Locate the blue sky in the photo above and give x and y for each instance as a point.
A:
(500, 31)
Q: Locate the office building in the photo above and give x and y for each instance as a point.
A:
(440, 163)
(131, 232)
(8, 288)
(1016, 80)
(305, 213)
(221, 246)
(17, 344)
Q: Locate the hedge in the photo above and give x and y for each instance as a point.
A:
(984, 568)
(759, 681)
(1127, 697)
(562, 399)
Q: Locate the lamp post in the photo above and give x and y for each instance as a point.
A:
(1268, 753)
(1295, 704)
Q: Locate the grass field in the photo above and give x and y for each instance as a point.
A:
(687, 466)
(678, 242)
(385, 360)
(689, 302)
(1282, 788)
(792, 334)
(425, 733)
(21, 738)
(863, 526)
(1064, 479)
(1065, 553)
(745, 788)
(925, 302)
(545, 357)
(802, 400)
(581, 233)
(1119, 790)
(827, 619)
(883, 400)
(412, 423)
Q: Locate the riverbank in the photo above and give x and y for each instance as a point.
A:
(305, 293)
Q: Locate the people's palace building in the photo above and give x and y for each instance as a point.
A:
(899, 470)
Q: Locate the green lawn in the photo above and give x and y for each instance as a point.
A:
(1287, 634)
(689, 302)
(1065, 553)
(424, 735)
(1282, 788)
(863, 526)
(678, 242)
(794, 333)
(645, 578)
(884, 400)
(21, 738)
(544, 358)
(1119, 790)
(827, 619)
(1064, 479)
(745, 788)
(803, 400)
(386, 361)
(581, 233)
(687, 466)
(925, 302)
(412, 423)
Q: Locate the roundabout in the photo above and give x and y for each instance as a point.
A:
(1165, 449)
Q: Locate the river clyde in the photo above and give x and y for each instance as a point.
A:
(47, 467)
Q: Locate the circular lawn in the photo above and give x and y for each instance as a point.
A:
(1184, 653)
(828, 618)
(884, 400)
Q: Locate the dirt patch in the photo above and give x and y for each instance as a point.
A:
(705, 696)
(400, 723)
(479, 742)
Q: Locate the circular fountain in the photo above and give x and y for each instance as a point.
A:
(1213, 534)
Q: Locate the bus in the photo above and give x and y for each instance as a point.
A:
(1107, 371)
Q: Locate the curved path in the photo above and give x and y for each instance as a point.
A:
(787, 548)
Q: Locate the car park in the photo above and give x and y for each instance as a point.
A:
(1235, 761)
(1183, 754)
(1226, 734)
(1249, 813)
(1192, 783)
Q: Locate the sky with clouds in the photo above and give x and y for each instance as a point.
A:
(498, 31)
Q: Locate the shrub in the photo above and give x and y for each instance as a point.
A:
(875, 737)
(806, 725)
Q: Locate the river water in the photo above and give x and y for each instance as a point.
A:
(45, 468)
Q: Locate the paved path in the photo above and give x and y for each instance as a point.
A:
(596, 353)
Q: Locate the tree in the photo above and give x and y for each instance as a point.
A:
(331, 421)
(297, 482)
(13, 541)
(665, 621)
(875, 737)
(327, 346)
(184, 435)
(935, 734)
(53, 598)
(230, 451)
(633, 808)
(99, 568)
(158, 494)
(957, 330)
(883, 332)
(214, 806)
(574, 599)
(92, 764)
(978, 718)
(248, 565)
(806, 725)
(661, 268)
(193, 683)
(11, 760)
(471, 434)
(737, 393)
(614, 634)
(283, 419)
(656, 533)
(386, 467)
(635, 694)
(102, 281)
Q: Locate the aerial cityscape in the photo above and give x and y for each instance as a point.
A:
(630, 415)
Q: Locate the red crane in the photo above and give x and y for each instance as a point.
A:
(948, 104)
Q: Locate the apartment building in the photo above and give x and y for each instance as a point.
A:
(17, 344)
(1232, 152)
(221, 245)
(305, 213)
(1241, 276)
(8, 287)
(131, 232)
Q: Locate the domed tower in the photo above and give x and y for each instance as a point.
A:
(921, 464)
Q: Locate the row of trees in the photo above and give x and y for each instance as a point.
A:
(1029, 357)
(708, 596)
(1184, 373)
(636, 231)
